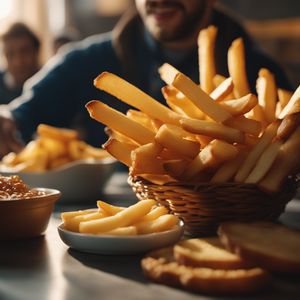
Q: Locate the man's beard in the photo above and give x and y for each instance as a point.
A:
(190, 23)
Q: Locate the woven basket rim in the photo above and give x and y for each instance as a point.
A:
(291, 180)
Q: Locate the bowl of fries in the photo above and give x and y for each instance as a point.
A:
(24, 211)
(217, 151)
(116, 230)
(58, 159)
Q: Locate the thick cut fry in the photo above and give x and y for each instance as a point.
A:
(108, 208)
(287, 163)
(155, 213)
(145, 160)
(119, 150)
(218, 79)
(264, 163)
(212, 155)
(245, 125)
(176, 167)
(127, 217)
(113, 134)
(133, 96)
(62, 134)
(122, 231)
(212, 129)
(73, 224)
(67, 215)
(240, 106)
(180, 103)
(223, 90)
(237, 68)
(256, 152)
(206, 55)
(288, 126)
(267, 93)
(284, 97)
(169, 138)
(162, 223)
(228, 170)
(141, 118)
(194, 93)
(117, 121)
(278, 109)
(293, 105)
(257, 114)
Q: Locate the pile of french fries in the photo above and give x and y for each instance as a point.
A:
(52, 148)
(143, 217)
(215, 132)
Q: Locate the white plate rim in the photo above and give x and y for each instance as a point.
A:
(110, 244)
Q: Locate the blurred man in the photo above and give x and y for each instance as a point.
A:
(20, 47)
(157, 31)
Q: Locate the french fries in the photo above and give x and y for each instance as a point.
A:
(207, 68)
(52, 148)
(215, 132)
(141, 218)
(133, 96)
(267, 94)
(237, 68)
(293, 106)
(194, 93)
(212, 129)
(256, 152)
(119, 122)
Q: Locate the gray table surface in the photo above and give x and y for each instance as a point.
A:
(45, 268)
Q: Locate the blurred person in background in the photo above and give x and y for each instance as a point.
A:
(20, 49)
(64, 38)
(150, 34)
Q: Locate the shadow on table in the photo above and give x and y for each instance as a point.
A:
(127, 266)
(27, 253)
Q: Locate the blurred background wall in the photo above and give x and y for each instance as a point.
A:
(275, 24)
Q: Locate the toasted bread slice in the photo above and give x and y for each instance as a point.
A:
(208, 253)
(271, 246)
(161, 267)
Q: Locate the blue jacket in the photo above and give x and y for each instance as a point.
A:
(58, 93)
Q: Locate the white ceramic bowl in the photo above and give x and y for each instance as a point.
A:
(120, 245)
(78, 181)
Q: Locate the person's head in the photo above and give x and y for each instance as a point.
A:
(175, 22)
(21, 50)
(65, 37)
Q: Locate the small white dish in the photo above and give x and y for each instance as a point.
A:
(120, 245)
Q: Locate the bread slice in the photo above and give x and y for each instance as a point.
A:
(209, 253)
(161, 267)
(271, 246)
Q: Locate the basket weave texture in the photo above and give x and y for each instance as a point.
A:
(204, 206)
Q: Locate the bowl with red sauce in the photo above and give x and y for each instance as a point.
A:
(24, 211)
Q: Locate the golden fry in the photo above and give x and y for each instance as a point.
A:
(207, 68)
(119, 122)
(213, 130)
(194, 93)
(267, 93)
(237, 68)
(256, 152)
(127, 217)
(119, 150)
(133, 96)
(223, 90)
(169, 138)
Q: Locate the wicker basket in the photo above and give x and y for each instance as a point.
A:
(204, 206)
